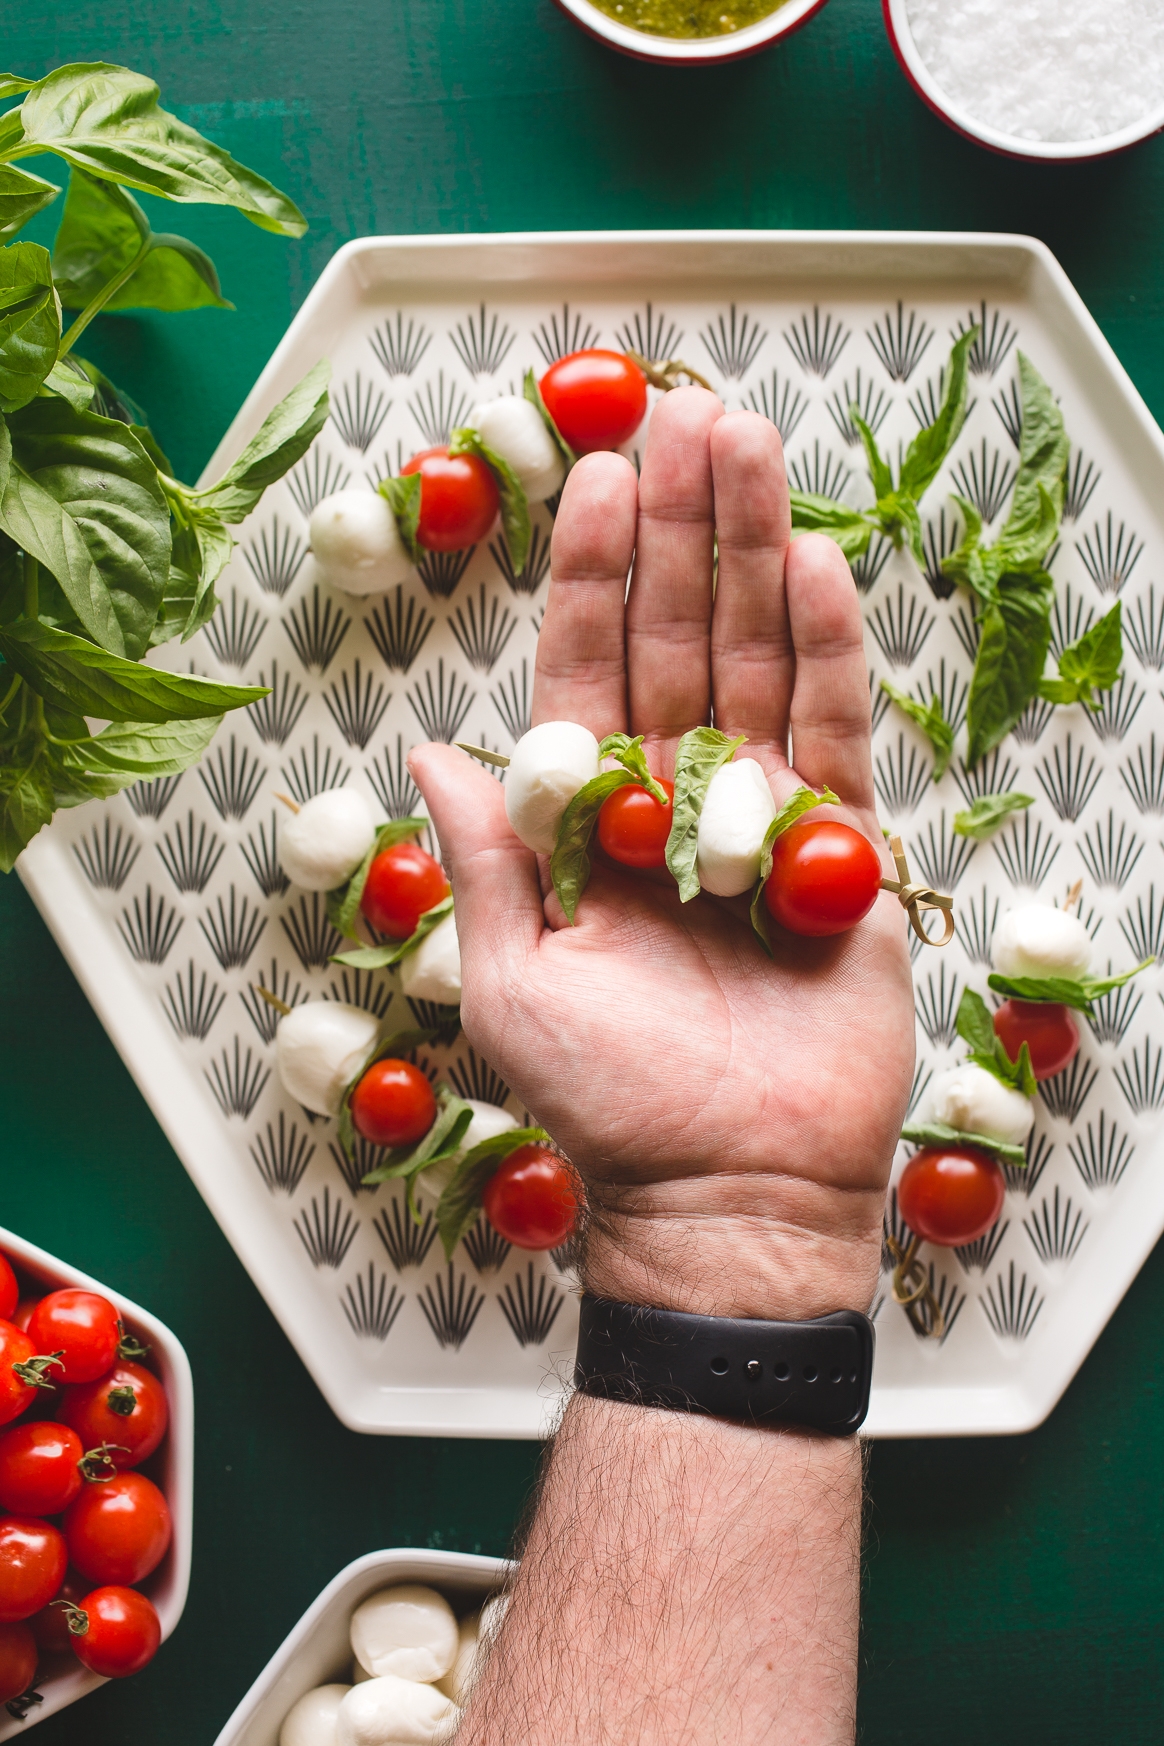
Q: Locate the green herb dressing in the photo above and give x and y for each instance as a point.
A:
(687, 17)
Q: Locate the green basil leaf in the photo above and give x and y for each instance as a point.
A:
(71, 383)
(22, 196)
(570, 862)
(134, 751)
(800, 801)
(102, 230)
(988, 812)
(1061, 989)
(11, 84)
(534, 395)
(698, 756)
(401, 493)
(30, 323)
(880, 472)
(850, 528)
(26, 803)
(931, 445)
(107, 120)
(976, 1028)
(1044, 449)
(1090, 664)
(75, 675)
(343, 904)
(514, 507)
(1012, 651)
(383, 957)
(898, 517)
(285, 436)
(931, 721)
(970, 562)
(460, 1203)
(974, 1023)
(940, 1134)
(631, 756)
(443, 1138)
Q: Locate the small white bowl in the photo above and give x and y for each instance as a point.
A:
(319, 1649)
(691, 51)
(167, 1585)
(1072, 151)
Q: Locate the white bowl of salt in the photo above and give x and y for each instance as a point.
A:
(1053, 79)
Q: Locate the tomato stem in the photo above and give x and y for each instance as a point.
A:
(98, 1465)
(32, 1371)
(77, 1617)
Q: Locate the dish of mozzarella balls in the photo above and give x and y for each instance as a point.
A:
(413, 1667)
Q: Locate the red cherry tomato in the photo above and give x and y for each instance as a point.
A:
(22, 1314)
(9, 1290)
(532, 1199)
(825, 877)
(118, 1530)
(951, 1194)
(1048, 1030)
(633, 828)
(393, 1105)
(17, 1661)
(39, 1475)
(402, 883)
(120, 1634)
(33, 1562)
(458, 499)
(82, 1327)
(15, 1393)
(596, 398)
(50, 1626)
(125, 1409)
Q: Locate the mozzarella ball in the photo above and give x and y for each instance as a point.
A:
(322, 844)
(549, 765)
(458, 1681)
(409, 1631)
(319, 1048)
(357, 544)
(359, 1674)
(492, 1618)
(487, 1121)
(975, 1102)
(514, 429)
(312, 1721)
(433, 971)
(1036, 940)
(737, 811)
(390, 1711)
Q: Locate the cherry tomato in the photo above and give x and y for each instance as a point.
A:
(118, 1530)
(9, 1290)
(125, 1409)
(22, 1314)
(825, 877)
(15, 1393)
(39, 1475)
(17, 1661)
(402, 883)
(1048, 1030)
(393, 1105)
(633, 828)
(951, 1194)
(532, 1199)
(50, 1626)
(458, 499)
(117, 1632)
(596, 398)
(33, 1562)
(82, 1327)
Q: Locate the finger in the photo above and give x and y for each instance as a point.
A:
(580, 673)
(752, 659)
(831, 721)
(668, 614)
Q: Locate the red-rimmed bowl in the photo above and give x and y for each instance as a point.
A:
(1072, 151)
(691, 51)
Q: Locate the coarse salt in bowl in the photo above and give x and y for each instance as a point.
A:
(691, 51)
(1051, 79)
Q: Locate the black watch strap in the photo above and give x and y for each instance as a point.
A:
(815, 1374)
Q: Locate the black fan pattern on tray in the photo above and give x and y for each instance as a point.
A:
(107, 855)
(399, 345)
(530, 1307)
(399, 631)
(733, 343)
(537, 562)
(149, 928)
(1012, 1305)
(1057, 1229)
(900, 342)
(327, 1231)
(870, 400)
(1109, 554)
(237, 1079)
(282, 1154)
(451, 1304)
(406, 1241)
(556, 337)
(192, 1003)
(779, 399)
(190, 853)
(816, 344)
(996, 335)
(652, 335)
(275, 559)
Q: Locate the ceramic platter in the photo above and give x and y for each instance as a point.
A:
(170, 904)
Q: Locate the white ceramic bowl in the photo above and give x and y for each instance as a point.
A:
(167, 1585)
(1073, 151)
(698, 51)
(319, 1649)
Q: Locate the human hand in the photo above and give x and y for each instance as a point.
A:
(733, 1118)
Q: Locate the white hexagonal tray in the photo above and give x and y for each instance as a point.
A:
(169, 904)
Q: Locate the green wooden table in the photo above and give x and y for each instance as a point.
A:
(1014, 1587)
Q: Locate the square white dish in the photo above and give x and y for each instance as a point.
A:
(157, 900)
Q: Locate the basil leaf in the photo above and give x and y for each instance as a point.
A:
(931, 445)
(1061, 989)
(26, 803)
(132, 751)
(75, 675)
(1043, 453)
(698, 756)
(850, 528)
(631, 756)
(988, 812)
(284, 437)
(383, 957)
(111, 402)
(931, 721)
(460, 1203)
(800, 801)
(1012, 651)
(343, 904)
(12, 83)
(976, 1027)
(71, 383)
(1092, 663)
(940, 1134)
(30, 323)
(514, 507)
(22, 196)
(401, 492)
(974, 1023)
(443, 1138)
(570, 862)
(970, 562)
(107, 120)
(898, 515)
(880, 472)
(534, 395)
(102, 230)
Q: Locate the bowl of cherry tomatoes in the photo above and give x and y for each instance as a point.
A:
(96, 1484)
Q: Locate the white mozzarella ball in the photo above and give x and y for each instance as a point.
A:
(487, 1122)
(514, 429)
(737, 811)
(312, 1721)
(1036, 940)
(549, 765)
(433, 971)
(390, 1711)
(322, 844)
(359, 1674)
(975, 1102)
(319, 1047)
(357, 544)
(410, 1631)
(458, 1681)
